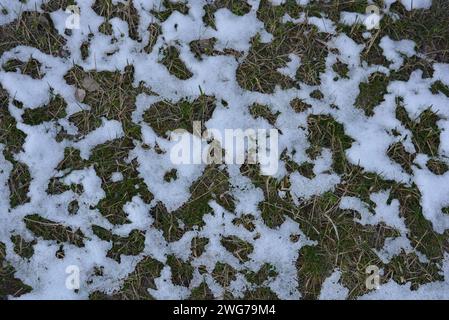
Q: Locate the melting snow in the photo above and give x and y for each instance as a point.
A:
(214, 76)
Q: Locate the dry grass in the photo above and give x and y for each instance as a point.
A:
(341, 242)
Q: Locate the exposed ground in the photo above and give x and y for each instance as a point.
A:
(85, 176)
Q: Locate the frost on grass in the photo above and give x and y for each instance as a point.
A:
(86, 179)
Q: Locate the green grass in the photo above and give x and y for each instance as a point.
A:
(136, 285)
(174, 63)
(341, 242)
(372, 93)
(237, 7)
(181, 272)
(398, 154)
(9, 285)
(238, 247)
(265, 273)
(170, 7)
(50, 230)
(165, 116)
(325, 132)
(32, 29)
(257, 110)
(114, 99)
(19, 183)
(30, 67)
(426, 133)
(126, 12)
(54, 110)
(23, 248)
(202, 292)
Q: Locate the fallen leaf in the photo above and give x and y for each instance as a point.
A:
(90, 84)
(80, 94)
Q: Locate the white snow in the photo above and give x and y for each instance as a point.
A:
(216, 76)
